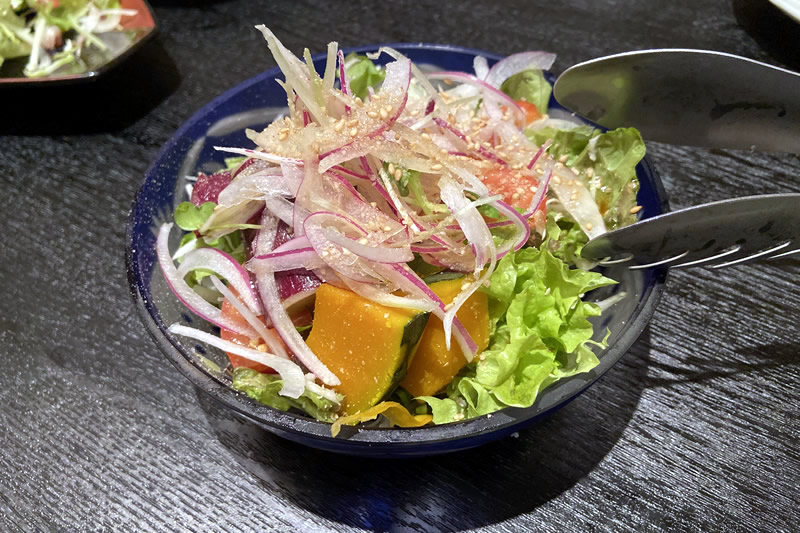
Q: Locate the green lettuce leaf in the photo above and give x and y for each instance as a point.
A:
(529, 85)
(612, 157)
(362, 74)
(540, 332)
(565, 239)
(264, 388)
(11, 45)
(189, 217)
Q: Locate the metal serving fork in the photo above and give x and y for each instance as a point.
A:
(716, 234)
(701, 98)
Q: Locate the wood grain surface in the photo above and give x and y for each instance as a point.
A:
(696, 429)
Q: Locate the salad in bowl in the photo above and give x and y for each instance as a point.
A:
(403, 243)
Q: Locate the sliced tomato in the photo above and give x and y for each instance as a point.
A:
(517, 190)
(230, 312)
(531, 112)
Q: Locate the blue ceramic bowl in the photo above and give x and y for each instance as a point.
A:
(254, 104)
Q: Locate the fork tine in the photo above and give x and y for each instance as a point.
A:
(696, 262)
(628, 257)
(658, 263)
(752, 256)
(785, 254)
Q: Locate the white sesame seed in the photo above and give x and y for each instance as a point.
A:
(372, 114)
(635, 209)
(384, 114)
(437, 166)
(363, 240)
(391, 168)
(387, 228)
(353, 132)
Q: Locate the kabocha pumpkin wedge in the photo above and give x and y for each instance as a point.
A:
(366, 344)
(433, 365)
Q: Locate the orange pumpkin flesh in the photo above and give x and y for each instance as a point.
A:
(433, 365)
(365, 344)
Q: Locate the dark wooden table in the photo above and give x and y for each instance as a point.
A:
(696, 429)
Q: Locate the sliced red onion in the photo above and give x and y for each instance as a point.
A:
(345, 170)
(294, 382)
(272, 158)
(288, 260)
(185, 294)
(382, 254)
(515, 63)
(480, 149)
(541, 193)
(290, 282)
(418, 74)
(254, 187)
(399, 206)
(542, 149)
(298, 296)
(395, 86)
(225, 266)
(384, 296)
(267, 335)
(319, 227)
(409, 281)
(518, 220)
(281, 208)
(285, 328)
(469, 219)
(343, 79)
(293, 243)
(265, 237)
(488, 90)
(246, 164)
(419, 249)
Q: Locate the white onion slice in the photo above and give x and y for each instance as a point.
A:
(224, 266)
(185, 294)
(287, 260)
(286, 329)
(515, 63)
(267, 335)
(294, 381)
(481, 67)
(577, 200)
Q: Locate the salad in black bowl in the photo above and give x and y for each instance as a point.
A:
(400, 248)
